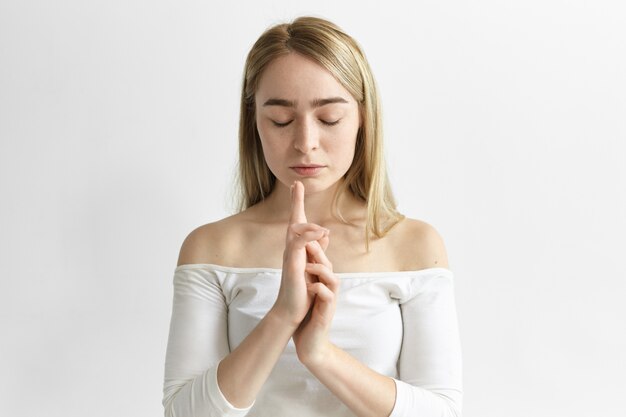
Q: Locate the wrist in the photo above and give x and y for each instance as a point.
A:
(321, 358)
(279, 319)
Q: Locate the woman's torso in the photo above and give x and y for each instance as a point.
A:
(367, 324)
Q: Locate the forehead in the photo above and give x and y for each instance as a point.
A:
(298, 78)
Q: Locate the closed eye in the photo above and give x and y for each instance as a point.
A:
(281, 124)
(323, 121)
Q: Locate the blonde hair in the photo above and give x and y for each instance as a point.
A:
(337, 52)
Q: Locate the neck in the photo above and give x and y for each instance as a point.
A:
(317, 205)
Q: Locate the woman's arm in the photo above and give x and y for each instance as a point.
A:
(202, 377)
(198, 340)
(243, 372)
(366, 392)
(430, 377)
(429, 367)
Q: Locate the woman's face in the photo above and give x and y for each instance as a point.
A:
(304, 116)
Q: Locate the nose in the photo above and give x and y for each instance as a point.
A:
(306, 136)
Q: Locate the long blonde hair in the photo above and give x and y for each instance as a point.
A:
(337, 52)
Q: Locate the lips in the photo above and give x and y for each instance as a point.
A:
(307, 166)
(308, 170)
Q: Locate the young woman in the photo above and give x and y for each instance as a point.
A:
(318, 298)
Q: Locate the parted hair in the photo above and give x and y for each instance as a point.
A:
(332, 48)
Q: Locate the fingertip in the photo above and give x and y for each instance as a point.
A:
(324, 241)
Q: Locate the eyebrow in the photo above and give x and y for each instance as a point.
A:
(318, 102)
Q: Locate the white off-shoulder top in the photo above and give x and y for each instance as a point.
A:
(400, 324)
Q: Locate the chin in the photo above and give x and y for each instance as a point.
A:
(311, 184)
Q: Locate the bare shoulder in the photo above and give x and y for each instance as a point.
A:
(209, 243)
(420, 245)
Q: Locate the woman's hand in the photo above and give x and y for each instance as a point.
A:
(294, 300)
(311, 337)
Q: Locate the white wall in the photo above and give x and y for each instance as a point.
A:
(504, 129)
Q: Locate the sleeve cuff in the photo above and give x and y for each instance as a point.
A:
(220, 401)
(397, 406)
(412, 400)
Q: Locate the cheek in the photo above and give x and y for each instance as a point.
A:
(347, 144)
(342, 152)
(274, 150)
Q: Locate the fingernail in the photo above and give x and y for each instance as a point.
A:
(291, 190)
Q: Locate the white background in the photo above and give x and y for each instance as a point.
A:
(504, 126)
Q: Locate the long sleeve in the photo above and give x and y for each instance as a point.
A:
(430, 362)
(198, 340)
